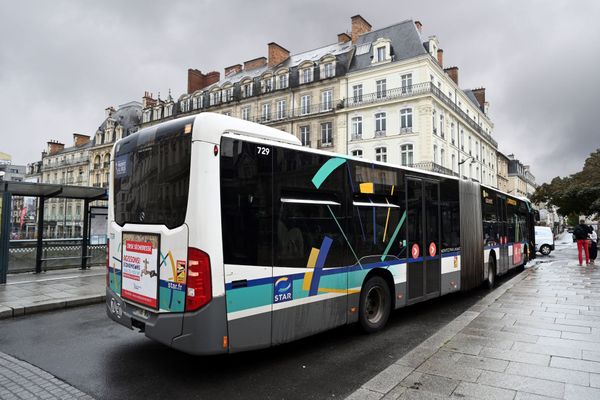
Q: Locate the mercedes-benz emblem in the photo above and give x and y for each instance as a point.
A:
(141, 216)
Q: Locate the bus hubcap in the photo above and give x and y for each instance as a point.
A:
(374, 306)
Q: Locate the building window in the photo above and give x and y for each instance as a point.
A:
(306, 75)
(357, 92)
(305, 135)
(452, 133)
(327, 134)
(441, 124)
(281, 111)
(229, 94)
(453, 163)
(406, 154)
(381, 154)
(435, 148)
(328, 70)
(380, 124)
(267, 85)
(247, 89)
(357, 153)
(477, 150)
(266, 112)
(246, 113)
(433, 122)
(462, 139)
(282, 81)
(381, 88)
(357, 128)
(442, 154)
(381, 53)
(305, 105)
(406, 80)
(470, 147)
(326, 100)
(406, 120)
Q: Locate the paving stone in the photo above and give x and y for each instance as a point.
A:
(484, 363)
(388, 378)
(483, 392)
(547, 349)
(417, 356)
(395, 393)
(430, 383)
(450, 369)
(575, 392)
(531, 396)
(557, 326)
(574, 344)
(521, 383)
(482, 341)
(595, 380)
(414, 394)
(510, 355)
(591, 355)
(581, 336)
(532, 331)
(364, 394)
(578, 365)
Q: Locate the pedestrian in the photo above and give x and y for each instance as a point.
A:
(593, 246)
(581, 235)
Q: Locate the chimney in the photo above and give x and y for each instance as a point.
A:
(418, 25)
(197, 80)
(359, 26)
(108, 111)
(480, 96)
(234, 69)
(344, 38)
(440, 57)
(452, 73)
(54, 147)
(79, 139)
(148, 100)
(277, 54)
(255, 63)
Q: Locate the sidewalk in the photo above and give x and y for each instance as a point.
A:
(537, 336)
(31, 293)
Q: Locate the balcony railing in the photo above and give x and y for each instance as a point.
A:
(433, 167)
(279, 116)
(356, 136)
(406, 130)
(416, 90)
(379, 134)
(324, 144)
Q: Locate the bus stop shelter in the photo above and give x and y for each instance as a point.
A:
(43, 191)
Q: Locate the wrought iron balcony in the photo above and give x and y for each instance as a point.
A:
(356, 136)
(325, 144)
(433, 167)
(416, 90)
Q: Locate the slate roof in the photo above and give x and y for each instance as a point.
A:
(129, 115)
(471, 96)
(405, 43)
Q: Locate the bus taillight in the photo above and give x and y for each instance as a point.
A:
(199, 290)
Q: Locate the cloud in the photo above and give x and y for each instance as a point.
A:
(63, 62)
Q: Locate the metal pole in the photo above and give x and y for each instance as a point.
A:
(4, 235)
(86, 234)
(40, 236)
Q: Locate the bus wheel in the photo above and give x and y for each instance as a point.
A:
(491, 279)
(375, 304)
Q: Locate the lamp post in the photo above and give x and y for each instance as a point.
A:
(462, 162)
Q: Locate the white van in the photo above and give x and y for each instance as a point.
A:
(544, 240)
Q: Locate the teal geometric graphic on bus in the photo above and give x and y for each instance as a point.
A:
(326, 169)
(393, 238)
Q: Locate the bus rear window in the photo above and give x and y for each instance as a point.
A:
(152, 174)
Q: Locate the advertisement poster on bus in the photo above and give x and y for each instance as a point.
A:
(517, 253)
(139, 268)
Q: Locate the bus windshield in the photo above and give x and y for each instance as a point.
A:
(152, 173)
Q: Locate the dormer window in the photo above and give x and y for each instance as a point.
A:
(381, 51)
(328, 70)
(306, 74)
(247, 88)
(228, 94)
(267, 84)
(282, 81)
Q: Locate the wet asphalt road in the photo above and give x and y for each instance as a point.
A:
(84, 348)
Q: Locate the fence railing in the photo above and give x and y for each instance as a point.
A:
(62, 253)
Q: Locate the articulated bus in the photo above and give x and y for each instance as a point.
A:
(226, 236)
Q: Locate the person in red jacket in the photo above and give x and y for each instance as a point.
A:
(581, 235)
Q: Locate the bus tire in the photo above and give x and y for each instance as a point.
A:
(375, 304)
(491, 279)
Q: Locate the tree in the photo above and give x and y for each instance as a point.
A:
(576, 194)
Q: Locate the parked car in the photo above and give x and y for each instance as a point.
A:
(544, 240)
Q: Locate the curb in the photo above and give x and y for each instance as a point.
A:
(386, 382)
(13, 312)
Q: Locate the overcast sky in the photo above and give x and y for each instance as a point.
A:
(63, 62)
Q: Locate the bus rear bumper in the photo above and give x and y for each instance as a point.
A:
(201, 332)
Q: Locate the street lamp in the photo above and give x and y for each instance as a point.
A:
(462, 162)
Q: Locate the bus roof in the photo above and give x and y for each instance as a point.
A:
(223, 123)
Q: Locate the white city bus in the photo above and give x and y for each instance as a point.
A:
(225, 235)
